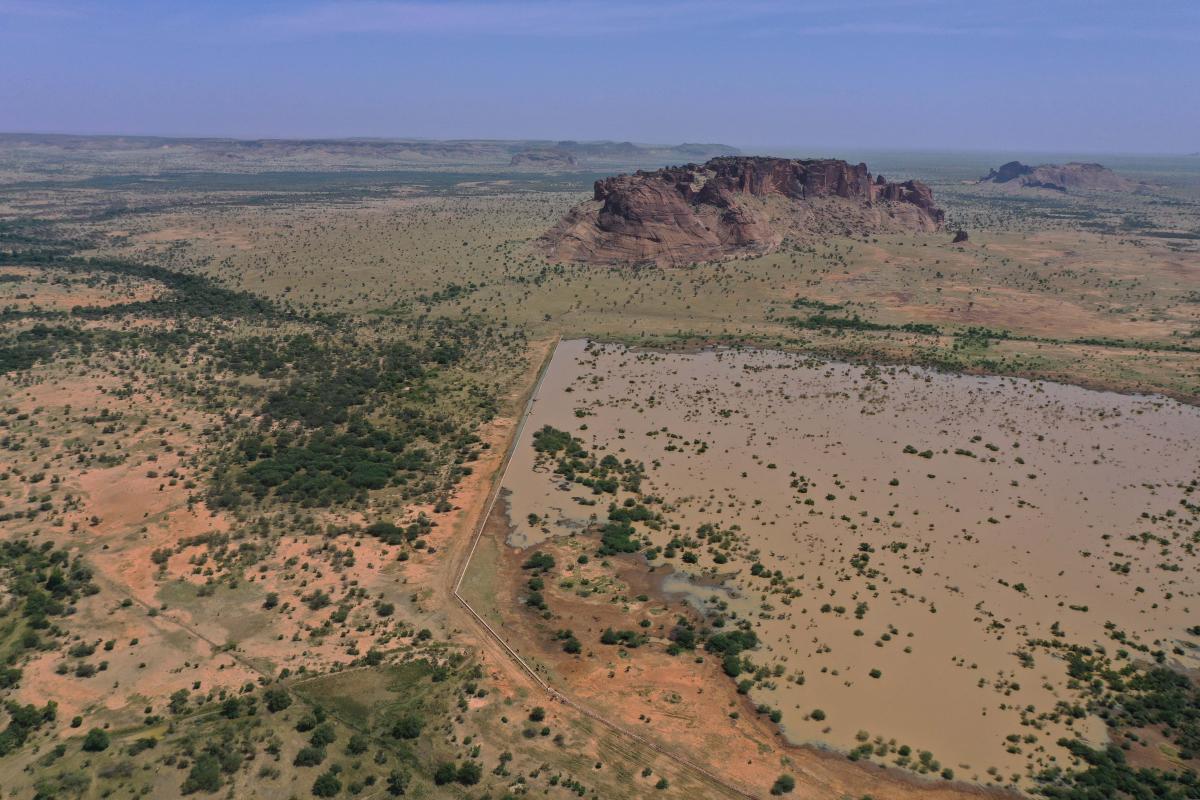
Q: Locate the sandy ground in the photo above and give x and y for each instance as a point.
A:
(1015, 529)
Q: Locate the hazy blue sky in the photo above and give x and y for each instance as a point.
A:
(1077, 75)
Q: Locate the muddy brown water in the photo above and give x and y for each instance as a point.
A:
(1021, 534)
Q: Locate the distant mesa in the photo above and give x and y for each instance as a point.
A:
(733, 205)
(1073, 176)
(550, 157)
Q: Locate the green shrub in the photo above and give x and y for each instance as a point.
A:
(96, 740)
(445, 773)
(204, 776)
(469, 773)
(309, 757)
(408, 727)
(327, 785)
(276, 700)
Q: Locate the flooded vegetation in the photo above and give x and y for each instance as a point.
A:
(928, 570)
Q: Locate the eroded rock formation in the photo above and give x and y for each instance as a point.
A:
(732, 206)
(1073, 176)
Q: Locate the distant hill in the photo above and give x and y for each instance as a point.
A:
(156, 153)
(1073, 176)
(548, 158)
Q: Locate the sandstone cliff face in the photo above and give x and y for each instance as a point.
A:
(1073, 176)
(732, 206)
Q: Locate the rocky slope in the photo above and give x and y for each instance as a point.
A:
(1073, 176)
(731, 206)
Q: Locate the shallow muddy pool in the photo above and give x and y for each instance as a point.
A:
(924, 531)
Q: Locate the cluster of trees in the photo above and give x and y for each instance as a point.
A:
(41, 343)
(729, 645)
(1107, 774)
(333, 433)
(603, 475)
(23, 720)
(552, 441)
(1128, 699)
(390, 533)
(823, 321)
(618, 537)
(468, 773)
(46, 582)
(627, 638)
(329, 466)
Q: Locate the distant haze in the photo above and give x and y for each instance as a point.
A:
(1046, 75)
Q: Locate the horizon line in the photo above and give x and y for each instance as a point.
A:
(747, 149)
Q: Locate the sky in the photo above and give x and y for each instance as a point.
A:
(1035, 75)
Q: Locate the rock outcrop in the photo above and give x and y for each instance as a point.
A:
(732, 206)
(1073, 176)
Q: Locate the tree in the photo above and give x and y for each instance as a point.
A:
(444, 774)
(95, 741)
(469, 773)
(732, 665)
(327, 785)
(408, 727)
(539, 561)
(309, 757)
(277, 699)
(205, 775)
(322, 735)
(179, 701)
(784, 784)
(397, 782)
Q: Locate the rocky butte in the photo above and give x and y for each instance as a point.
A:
(1073, 176)
(734, 205)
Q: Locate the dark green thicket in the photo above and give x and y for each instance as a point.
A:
(1130, 699)
(1106, 775)
(552, 441)
(352, 418)
(186, 298)
(186, 295)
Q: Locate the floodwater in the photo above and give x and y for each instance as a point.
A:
(1016, 528)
